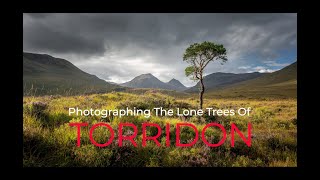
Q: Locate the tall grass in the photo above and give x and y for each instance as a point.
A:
(49, 141)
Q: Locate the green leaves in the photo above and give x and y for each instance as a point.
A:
(206, 51)
(198, 55)
(189, 71)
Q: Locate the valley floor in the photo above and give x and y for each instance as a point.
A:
(49, 141)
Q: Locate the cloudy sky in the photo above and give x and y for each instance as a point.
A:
(118, 47)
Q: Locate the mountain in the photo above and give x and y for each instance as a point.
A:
(177, 84)
(150, 81)
(44, 74)
(146, 81)
(281, 83)
(219, 80)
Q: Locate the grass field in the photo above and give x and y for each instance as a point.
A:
(49, 141)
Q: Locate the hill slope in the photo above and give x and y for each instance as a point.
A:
(219, 79)
(44, 74)
(282, 83)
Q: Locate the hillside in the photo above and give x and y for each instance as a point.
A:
(219, 80)
(150, 81)
(44, 74)
(282, 83)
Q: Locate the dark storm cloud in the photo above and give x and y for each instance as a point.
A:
(89, 33)
(143, 41)
(46, 38)
(38, 15)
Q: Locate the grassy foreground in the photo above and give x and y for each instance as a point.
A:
(49, 141)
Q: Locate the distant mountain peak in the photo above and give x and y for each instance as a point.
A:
(176, 83)
(173, 80)
(147, 75)
(149, 81)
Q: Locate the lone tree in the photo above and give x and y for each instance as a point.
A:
(199, 56)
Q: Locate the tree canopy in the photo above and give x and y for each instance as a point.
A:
(198, 55)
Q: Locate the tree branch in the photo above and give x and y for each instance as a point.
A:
(195, 70)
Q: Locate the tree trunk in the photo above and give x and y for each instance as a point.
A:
(201, 93)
